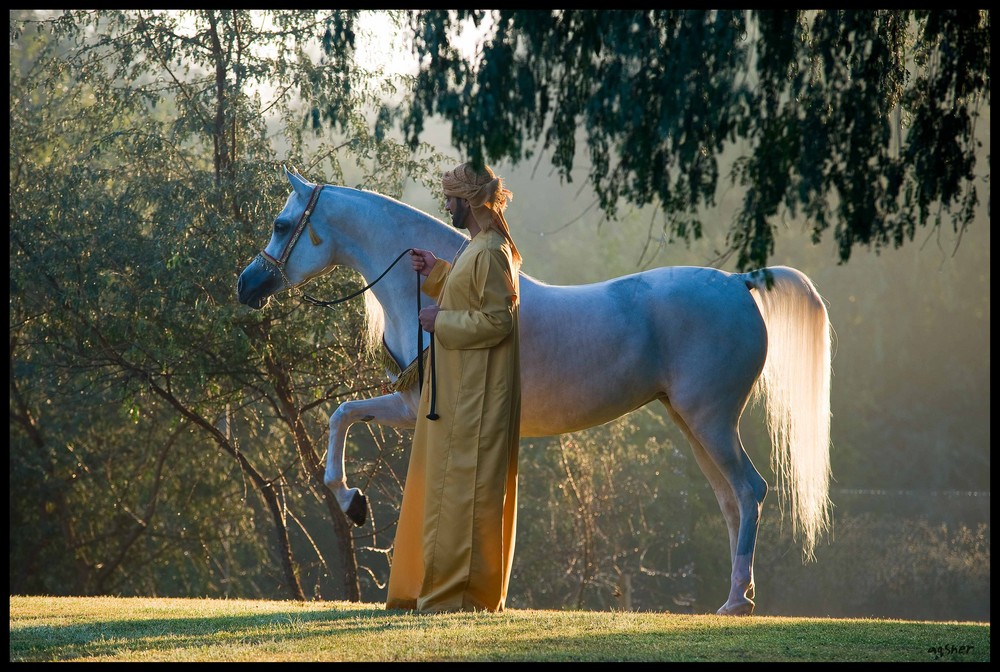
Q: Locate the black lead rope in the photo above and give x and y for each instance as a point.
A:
(420, 365)
(420, 332)
(434, 384)
(420, 341)
(316, 302)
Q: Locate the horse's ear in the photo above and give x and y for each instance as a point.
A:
(298, 183)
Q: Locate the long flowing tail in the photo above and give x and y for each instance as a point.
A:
(795, 391)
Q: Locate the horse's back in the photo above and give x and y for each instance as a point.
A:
(591, 353)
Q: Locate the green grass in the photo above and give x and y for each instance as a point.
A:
(111, 629)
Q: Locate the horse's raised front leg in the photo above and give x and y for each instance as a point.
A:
(391, 410)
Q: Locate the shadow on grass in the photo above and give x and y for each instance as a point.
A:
(113, 637)
(372, 634)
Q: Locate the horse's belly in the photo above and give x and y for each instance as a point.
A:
(557, 401)
(552, 422)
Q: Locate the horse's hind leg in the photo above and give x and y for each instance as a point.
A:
(739, 489)
(720, 486)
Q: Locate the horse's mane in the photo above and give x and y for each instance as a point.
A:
(374, 326)
(374, 313)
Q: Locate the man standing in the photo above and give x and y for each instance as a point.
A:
(454, 543)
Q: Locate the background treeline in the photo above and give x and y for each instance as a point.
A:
(166, 441)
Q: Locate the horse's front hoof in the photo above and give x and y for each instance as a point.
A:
(357, 511)
(741, 608)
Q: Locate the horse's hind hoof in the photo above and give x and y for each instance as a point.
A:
(358, 509)
(741, 608)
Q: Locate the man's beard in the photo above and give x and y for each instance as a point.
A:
(458, 224)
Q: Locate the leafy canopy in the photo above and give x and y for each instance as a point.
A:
(865, 120)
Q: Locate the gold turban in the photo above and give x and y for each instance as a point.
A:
(486, 195)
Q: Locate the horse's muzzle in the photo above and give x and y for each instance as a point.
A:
(256, 283)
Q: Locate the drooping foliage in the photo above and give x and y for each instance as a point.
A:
(862, 119)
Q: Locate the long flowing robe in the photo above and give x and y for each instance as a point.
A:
(454, 542)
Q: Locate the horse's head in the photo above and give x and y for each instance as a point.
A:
(285, 263)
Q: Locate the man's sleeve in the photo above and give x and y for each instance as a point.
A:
(434, 282)
(491, 317)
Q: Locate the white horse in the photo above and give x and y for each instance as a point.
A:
(698, 340)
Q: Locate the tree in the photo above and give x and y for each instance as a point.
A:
(161, 433)
(865, 120)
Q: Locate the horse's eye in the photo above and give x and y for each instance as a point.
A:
(280, 226)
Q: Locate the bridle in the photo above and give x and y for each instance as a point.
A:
(278, 264)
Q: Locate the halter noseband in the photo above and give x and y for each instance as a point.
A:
(278, 263)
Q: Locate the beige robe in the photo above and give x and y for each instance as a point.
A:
(454, 541)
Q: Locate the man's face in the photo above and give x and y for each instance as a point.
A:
(459, 209)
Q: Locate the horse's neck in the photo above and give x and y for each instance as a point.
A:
(373, 236)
